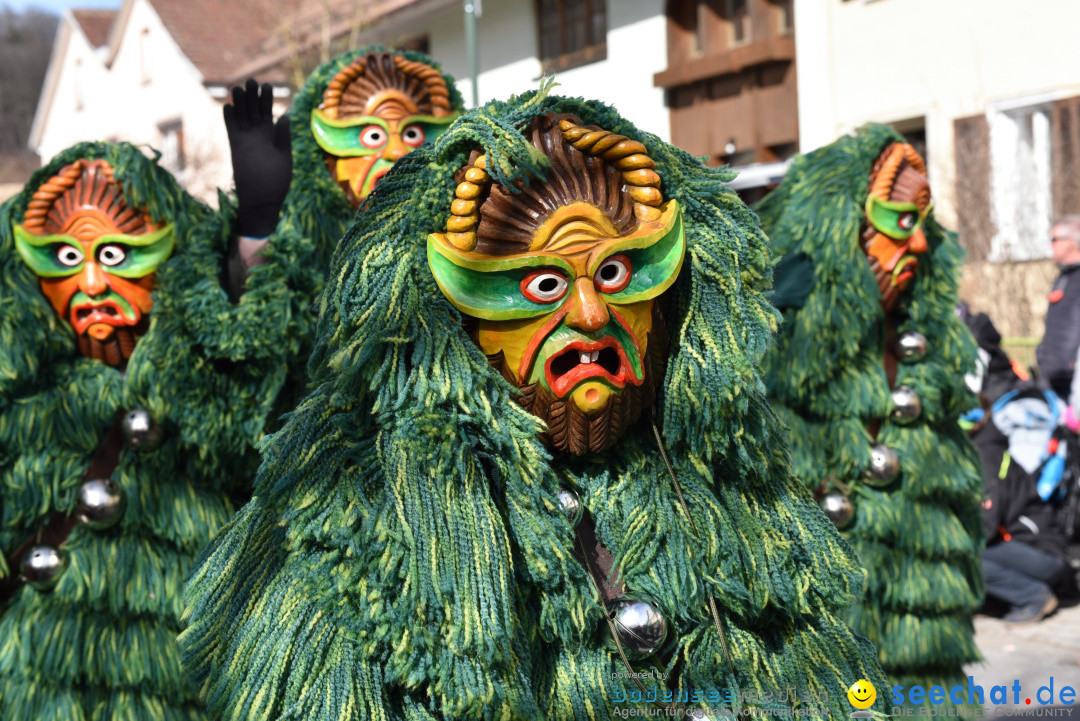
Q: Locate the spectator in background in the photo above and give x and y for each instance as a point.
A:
(1056, 353)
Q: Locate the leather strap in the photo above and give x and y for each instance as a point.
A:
(59, 526)
(891, 363)
(598, 560)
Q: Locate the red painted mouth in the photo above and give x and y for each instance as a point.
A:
(565, 370)
(107, 311)
(905, 270)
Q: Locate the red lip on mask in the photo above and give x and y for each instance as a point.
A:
(109, 312)
(564, 370)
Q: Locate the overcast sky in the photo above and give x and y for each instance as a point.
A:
(58, 6)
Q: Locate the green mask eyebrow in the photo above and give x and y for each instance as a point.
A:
(891, 218)
(343, 137)
(490, 288)
(142, 253)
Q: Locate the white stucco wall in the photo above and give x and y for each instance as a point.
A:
(890, 60)
(119, 105)
(510, 64)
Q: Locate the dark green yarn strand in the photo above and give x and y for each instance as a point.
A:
(920, 538)
(405, 517)
(101, 645)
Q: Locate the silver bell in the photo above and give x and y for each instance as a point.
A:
(571, 506)
(884, 466)
(911, 346)
(906, 405)
(100, 503)
(140, 430)
(641, 626)
(838, 508)
(42, 566)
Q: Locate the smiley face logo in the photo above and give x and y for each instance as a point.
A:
(862, 694)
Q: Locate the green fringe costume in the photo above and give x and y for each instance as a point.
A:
(102, 644)
(405, 556)
(920, 537)
(315, 206)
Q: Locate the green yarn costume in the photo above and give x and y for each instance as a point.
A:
(101, 645)
(405, 556)
(315, 206)
(919, 537)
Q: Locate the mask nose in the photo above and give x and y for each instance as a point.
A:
(917, 243)
(93, 281)
(587, 311)
(395, 148)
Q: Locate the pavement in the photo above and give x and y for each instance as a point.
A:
(1033, 655)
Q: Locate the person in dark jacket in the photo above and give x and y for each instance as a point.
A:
(1056, 353)
(1025, 550)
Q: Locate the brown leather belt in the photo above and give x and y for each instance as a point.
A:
(59, 526)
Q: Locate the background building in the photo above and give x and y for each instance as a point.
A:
(993, 94)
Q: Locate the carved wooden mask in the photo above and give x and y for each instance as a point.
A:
(896, 208)
(378, 108)
(96, 257)
(561, 280)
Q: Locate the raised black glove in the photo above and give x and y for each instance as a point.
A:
(261, 158)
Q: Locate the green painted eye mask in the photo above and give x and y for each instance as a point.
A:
(490, 288)
(899, 221)
(368, 134)
(127, 256)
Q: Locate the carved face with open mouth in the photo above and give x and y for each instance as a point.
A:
(376, 110)
(95, 256)
(896, 209)
(568, 310)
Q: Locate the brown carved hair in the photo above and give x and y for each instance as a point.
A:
(899, 173)
(588, 164)
(83, 185)
(361, 88)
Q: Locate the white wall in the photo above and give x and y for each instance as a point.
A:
(889, 60)
(509, 62)
(124, 102)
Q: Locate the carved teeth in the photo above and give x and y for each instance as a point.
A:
(585, 357)
(595, 355)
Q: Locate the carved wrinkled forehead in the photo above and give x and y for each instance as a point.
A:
(83, 198)
(587, 165)
(387, 85)
(899, 175)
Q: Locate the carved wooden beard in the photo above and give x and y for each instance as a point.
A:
(570, 430)
(898, 175)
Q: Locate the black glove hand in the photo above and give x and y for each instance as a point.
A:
(261, 158)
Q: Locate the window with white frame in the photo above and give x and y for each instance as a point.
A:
(1020, 181)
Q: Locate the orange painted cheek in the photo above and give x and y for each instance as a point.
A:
(639, 317)
(137, 292)
(512, 337)
(59, 291)
(354, 170)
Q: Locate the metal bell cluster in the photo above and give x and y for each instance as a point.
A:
(42, 566)
(911, 346)
(838, 508)
(140, 430)
(641, 626)
(100, 504)
(571, 506)
(906, 405)
(884, 466)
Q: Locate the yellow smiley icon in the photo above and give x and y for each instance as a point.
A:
(862, 694)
